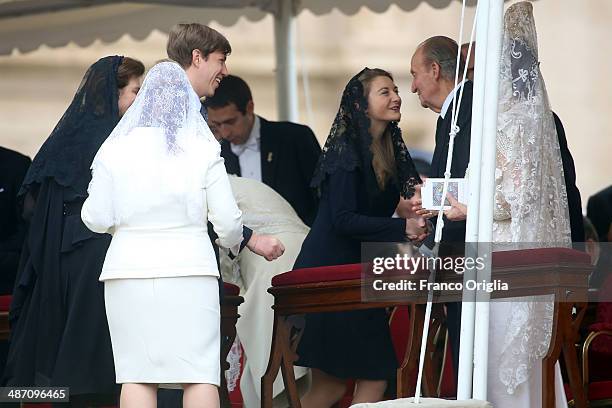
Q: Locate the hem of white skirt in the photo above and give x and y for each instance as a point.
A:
(169, 383)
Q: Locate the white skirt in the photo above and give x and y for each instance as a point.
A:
(165, 330)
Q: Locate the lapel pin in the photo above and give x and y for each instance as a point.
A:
(270, 157)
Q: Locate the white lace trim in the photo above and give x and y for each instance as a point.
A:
(232, 375)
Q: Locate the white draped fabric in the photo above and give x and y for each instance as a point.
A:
(531, 211)
(265, 212)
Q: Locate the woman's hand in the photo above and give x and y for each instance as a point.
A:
(408, 207)
(457, 212)
(416, 229)
(413, 207)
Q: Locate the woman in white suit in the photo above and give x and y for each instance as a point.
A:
(156, 181)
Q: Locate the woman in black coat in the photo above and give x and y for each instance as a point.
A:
(363, 170)
(59, 333)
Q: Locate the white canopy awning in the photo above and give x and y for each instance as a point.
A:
(25, 25)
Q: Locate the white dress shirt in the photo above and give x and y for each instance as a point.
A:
(449, 99)
(249, 153)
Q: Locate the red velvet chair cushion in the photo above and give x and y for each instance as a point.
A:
(521, 257)
(230, 289)
(321, 274)
(5, 303)
(600, 390)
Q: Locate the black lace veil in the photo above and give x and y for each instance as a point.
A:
(93, 113)
(348, 145)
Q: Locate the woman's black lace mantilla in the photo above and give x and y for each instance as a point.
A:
(348, 145)
(68, 152)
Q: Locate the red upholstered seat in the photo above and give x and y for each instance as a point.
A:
(230, 289)
(321, 274)
(539, 256)
(5, 303)
(521, 257)
(601, 390)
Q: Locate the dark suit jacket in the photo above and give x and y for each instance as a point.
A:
(454, 231)
(13, 168)
(453, 235)
(289, 154)
(599, 211)
(573, 194)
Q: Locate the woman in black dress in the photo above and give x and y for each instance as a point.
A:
(363, 170)
(59, 333)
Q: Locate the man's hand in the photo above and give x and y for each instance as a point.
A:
(457, 212)
(416, 229)
(267, 246)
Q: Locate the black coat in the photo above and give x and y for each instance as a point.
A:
(599, 211)
(58, 322)
(352, 344)
(289, 153)
(13, 168)
(454, 231)
(573, 194)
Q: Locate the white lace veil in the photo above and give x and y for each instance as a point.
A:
(530, 187)
(527, 145)
(157, 154)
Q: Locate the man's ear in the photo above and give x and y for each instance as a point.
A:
(250, 107)
(435, 68)
(197, 58)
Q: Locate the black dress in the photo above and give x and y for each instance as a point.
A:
(59, 332)
(354, 344)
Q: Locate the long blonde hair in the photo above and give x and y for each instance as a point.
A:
(383, 154)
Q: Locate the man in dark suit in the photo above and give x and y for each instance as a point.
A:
(574, 202)
(599, 211)
(282, 155)
(433, 70)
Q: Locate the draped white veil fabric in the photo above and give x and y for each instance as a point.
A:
(531, 207)
(158, 148)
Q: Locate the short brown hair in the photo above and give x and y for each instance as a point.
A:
(128, 69)
(232, 89)
(184, 38)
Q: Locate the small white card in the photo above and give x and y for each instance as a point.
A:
(432, 192)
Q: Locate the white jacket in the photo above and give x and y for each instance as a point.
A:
(162, 241)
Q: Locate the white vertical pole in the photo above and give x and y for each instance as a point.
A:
(286, 72)
(468, 307)
(487, 190)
